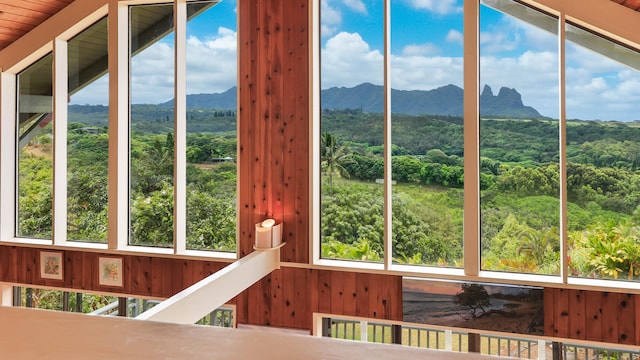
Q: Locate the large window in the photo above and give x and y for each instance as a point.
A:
(603, 143)
(352, 100)
(211, 145)
(519, 139)
(424, 88)
(540, 153)
(152, 124)
(183, 126)
(87, 135)
(35, 150)
(180, 155)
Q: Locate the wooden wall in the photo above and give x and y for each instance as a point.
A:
(286, 298)
(274, 121)
(592, 315)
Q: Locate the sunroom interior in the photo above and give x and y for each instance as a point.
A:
(143, 144)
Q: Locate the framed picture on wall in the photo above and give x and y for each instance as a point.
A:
(110, 271)
(51, 265)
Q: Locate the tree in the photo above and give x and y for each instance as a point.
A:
(475, 297)
(333, 157)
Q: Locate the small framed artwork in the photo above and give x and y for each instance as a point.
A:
(51, 265)
(110, 271)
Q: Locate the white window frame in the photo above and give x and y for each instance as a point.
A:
(53, 36)
(603, 17)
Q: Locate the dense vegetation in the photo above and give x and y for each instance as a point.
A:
(520, 189)
(211, 178)
(519, 181)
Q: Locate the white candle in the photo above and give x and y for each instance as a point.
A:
(268, 223)
(263, 237)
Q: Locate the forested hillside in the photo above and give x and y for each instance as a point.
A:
(520, 187)
(519, 181)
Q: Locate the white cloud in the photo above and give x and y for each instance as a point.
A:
(420, 49)
(347, 60)
(331, 18)
(425, 73)
(356, 5)
(211, 63)
(495, 42)
(96, 93)
(442, 7)
(454, 36)
(211, 68)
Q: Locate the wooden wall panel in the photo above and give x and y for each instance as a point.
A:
(593, 318)
(273, 117)
(626, 319)
(144, 276)
(561, 312)
(592, 315)
(295, 67)
(577, 314)
(609, 317)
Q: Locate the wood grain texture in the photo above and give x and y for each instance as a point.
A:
(273, 112)
(576, 314)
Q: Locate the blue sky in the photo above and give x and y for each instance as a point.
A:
(426, 47)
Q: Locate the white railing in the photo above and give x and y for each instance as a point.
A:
(457, 340)
(195, 302)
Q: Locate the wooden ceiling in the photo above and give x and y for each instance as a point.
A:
(17, 17)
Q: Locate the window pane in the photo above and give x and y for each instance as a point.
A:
(211, 126)
(427, 133)
(35, 150)
(352, 130)
(87, 135)
(151, 96)
(519, 139)
(603, 143)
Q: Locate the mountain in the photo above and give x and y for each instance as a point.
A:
(508, 102)
(222, 101)
(445, 100)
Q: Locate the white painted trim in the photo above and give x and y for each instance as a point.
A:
(195, 302)
(180, 128)
(8, 155)
(60, 87)
(6, 295)
(118, 203)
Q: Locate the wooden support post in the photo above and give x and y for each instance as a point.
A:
(326, 327)
(396, 334)
(123, 308)
(473, 343)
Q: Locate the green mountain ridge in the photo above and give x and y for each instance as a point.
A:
(445, 100)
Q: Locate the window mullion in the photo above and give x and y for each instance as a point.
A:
(8, 156)
(471, 139)
(388, 191)
(180, 128)
(60, 116)
(118, 208)
(563, 150)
